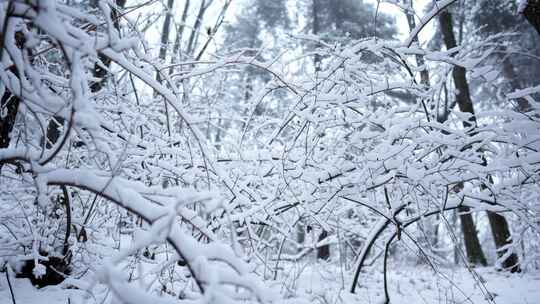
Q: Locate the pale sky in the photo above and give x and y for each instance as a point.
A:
(210, 18)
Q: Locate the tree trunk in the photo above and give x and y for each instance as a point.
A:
(498, 224)
(473, 248)
(196, 28)
(300, 235)
(179, 36)
(420, 61)
(323, 252)
(316, 30)
(531, 11)
(165, 31)
(502, 237)
(475, 254)
(163, 54)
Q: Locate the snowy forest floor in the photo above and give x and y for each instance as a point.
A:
(325, 284)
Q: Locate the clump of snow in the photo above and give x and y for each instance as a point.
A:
(39, 270)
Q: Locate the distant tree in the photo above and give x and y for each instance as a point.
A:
(342, 20)
(246, 34)
(517, 66)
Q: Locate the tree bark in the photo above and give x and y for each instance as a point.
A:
(531, 11)
(502, 237)
(475, 254)
(163, 54)
(196, 28)
(179, 36)
(316, 30)
(420, 61)
(498, 224)
(165, 31)
(463, 96)
(300, 235)
(323, 252)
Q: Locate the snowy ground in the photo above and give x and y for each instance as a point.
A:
(325, 285)
(421, 285)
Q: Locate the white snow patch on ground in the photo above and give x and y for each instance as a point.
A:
(325, 284)
(412, 285)
(25, 293)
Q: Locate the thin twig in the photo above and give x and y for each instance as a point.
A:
(8, 272)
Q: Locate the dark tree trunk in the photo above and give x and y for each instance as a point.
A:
(316, 30)
(498, 224)
(531, 12)
(300, 235)
(165, 31)
(323, 252)
(463, 96)
(502, 237)
(179, 34)
(163, 54)
(420, 61)
(196, 28)
(475, 254)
